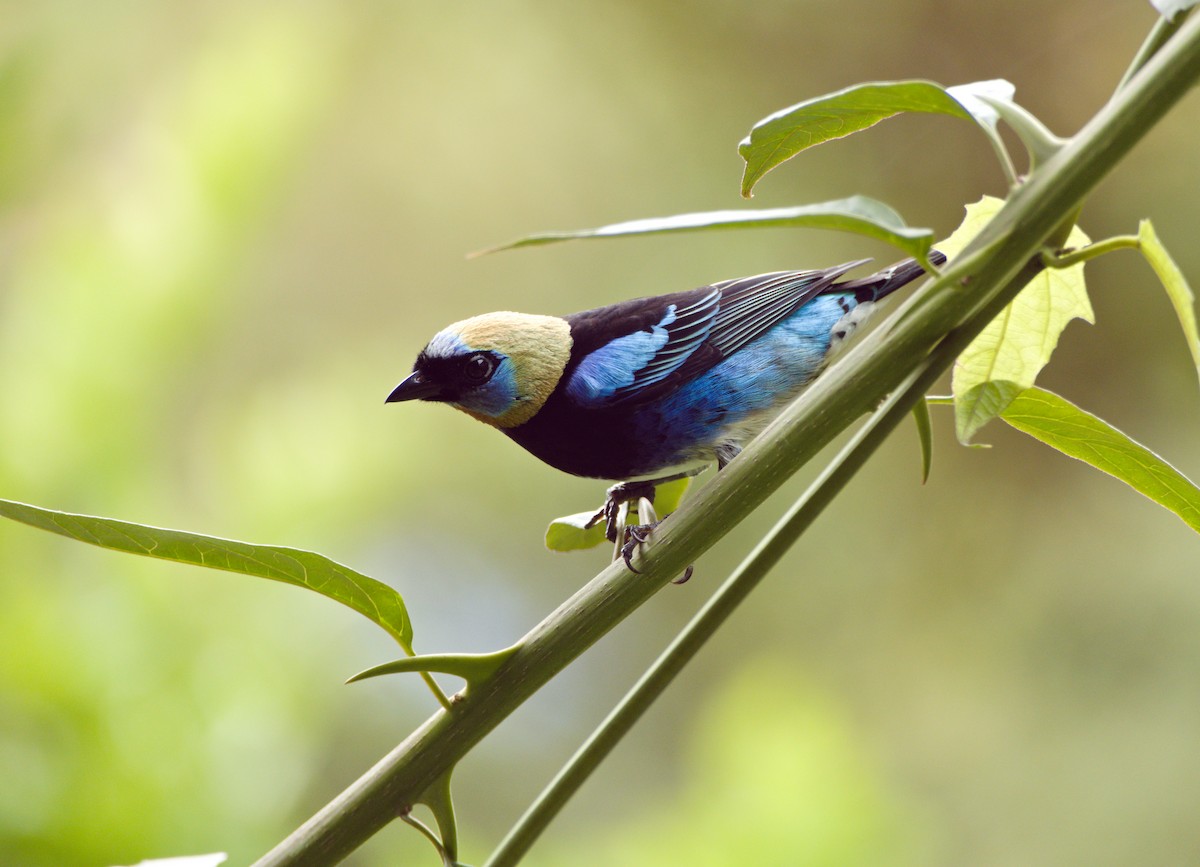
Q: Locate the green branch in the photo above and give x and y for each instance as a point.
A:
(986, 276)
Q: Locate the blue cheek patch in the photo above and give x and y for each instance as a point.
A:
(497, 395)
(615, 364)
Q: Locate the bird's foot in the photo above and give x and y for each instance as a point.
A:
(623, 498)
(623, 494)
(634, 537)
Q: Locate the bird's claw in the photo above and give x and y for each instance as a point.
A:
(621, 499)
(635, 536)
(683, 579)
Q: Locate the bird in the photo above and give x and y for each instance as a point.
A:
(656, 388)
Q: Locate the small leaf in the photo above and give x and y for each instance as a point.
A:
(787, 132)
(920, 413)
(977, 216)
(1079, 434)
(668, 495)
(858, 214)
(981, 402)
(1176, 285)
(373, 599)
(571, 533)
(1006, 357)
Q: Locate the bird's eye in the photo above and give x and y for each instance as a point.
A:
(479, 367)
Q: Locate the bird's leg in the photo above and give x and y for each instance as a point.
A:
(632, 536)
(615, 527)
(635, 536)
(616, 509)
(623, 494)
(630, 492)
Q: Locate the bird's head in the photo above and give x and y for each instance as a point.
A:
(499, 367)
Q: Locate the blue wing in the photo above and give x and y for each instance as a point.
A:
(627, 364)
(638, 350)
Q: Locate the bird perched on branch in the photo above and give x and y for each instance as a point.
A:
(654, 388)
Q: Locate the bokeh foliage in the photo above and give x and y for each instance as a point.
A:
(227, 229)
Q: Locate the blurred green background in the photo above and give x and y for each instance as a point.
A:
(227, 228)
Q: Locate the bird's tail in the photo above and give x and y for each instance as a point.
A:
(888, 280)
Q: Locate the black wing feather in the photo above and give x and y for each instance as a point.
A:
(751, 306)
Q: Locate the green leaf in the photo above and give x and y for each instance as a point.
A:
(978, 215)
(571, 533)
(787, 132)
(668, 495)
(1008, 354)
(980, 403)
(1078, 434)
(1176, 285)
(376, 601)
(858, 214)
